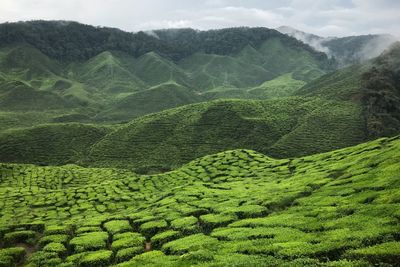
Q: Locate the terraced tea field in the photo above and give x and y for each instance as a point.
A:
(235, 208)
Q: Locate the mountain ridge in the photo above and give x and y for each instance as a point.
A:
(346, 50)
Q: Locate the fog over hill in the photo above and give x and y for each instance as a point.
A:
(347, 50)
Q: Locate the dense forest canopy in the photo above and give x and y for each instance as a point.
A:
(68, 41)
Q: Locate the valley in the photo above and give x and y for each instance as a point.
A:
(231, 147)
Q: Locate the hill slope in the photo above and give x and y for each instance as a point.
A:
(374, 85)
(236, 208)
(109, 72)
(280, 127)
(339, 109)
(50, 144)
(160, 97)
(16, 95)
(94, 69)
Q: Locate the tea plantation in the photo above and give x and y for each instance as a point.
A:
(235, 208)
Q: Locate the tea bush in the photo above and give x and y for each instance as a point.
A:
(89, 241)
(234, 208)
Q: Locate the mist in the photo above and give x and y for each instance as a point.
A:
(312, 40)
(365, 46)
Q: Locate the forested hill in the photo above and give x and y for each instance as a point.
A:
(72, 41)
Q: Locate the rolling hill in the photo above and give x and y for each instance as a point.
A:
(339, 109)
(235, 208)
(108, 72)
(103, 69)
(374, 85)
(333, 111)
(284, 127)
(154, 99)
(49, 144)
(17, 95)
(280, 127)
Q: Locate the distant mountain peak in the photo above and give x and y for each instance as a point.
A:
(312, 40)
(347, 50)
(290, 30)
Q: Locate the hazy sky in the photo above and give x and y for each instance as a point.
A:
(322, 17)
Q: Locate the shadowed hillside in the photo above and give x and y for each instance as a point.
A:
(281, 127)
(374, 85)
(51, 144)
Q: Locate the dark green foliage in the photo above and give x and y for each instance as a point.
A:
(49, 144)
(22, 97)
(11, 256)
(386, 252)
(381, 94)
(84, 41)
(43, 258)
(374, 86)
(21, 236)
(356, 49)
(81, 41)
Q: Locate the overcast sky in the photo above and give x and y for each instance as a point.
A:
(321, 17)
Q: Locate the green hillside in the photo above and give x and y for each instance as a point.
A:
(109, 80)
(281, 86)
(27, 63)
(86, 41)
(284, 127)
(374, 85)
(381, 94)
(339, 109)
(356, 49)
(17, 95)
(236, 208)
(49, 144)
(154, 99)
(154, 69)
(280, 58)
(210, 71)
(280, 127)
(109, 73)
(343, 84)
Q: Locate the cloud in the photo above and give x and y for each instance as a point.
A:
(166, 24)
(322, 17)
